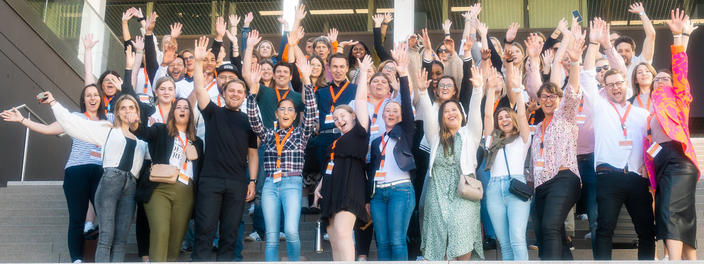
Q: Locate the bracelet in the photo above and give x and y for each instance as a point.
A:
(141, 19)
(593, 43)
(509, 61)
(253, 180)
(447, 35)
(23, 118)
(384, 23)
(574, 63)
(677, 36)
(641, 13)
(508, 42)
(685, 34)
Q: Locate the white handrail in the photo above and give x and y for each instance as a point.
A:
(30, 112)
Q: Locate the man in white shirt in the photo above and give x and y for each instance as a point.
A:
(626, 46)
(619, 132)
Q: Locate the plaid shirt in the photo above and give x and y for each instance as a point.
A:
(293, 149)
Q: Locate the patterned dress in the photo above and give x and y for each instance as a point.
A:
(451, 224)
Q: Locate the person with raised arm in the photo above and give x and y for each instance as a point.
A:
(626, 46)
(456, 233)
(393, 196)
(670, 159)
(507, 141)
(222, 186)
(83, 169)
(341, 192)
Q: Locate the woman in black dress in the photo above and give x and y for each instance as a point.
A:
(342, 190)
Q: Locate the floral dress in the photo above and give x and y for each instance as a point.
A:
(451, 225)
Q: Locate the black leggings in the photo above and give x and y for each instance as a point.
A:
(553, 200)
(80, 183)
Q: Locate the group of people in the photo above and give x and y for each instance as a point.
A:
(422, 137)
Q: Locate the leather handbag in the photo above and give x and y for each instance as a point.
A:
(518, 188)
(164, 173)
(470, 188)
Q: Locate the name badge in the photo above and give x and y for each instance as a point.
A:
(581, 119)
(144, 98)
(374, 129)
(533, 128)
(654, 149)
(626, 144)
(331, 165)
(539, 164)
(380, 176)
(277, 176)
(183, 178)
(328, 119)
(96, 152)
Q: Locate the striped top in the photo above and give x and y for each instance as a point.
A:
(83, 153)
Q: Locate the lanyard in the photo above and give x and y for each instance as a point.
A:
(185, 163)
(335, 96)
(163, 120)
(647, 106)
(383, 150)
(146, 80)
(546, 123)
(532, 118)
(280, 146)
(647, 125)
(210, 86)
(622, 118)
(87, 115)
(496, 104)
(581, 105)
(376, 111)
(106, 102)
(219, 101)
(278, 95)
(332, 150)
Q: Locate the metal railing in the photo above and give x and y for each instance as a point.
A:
(30, 112)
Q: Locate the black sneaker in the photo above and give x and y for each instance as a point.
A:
(310, 210)
(91, 234)
(489, 244)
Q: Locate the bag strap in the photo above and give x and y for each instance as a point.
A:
(105, 145)
(506, 159)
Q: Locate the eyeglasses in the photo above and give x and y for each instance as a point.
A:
(546, 97)
(663, 79)
(445, 86)
(602, 68)
(287, 109)
(442, 51)
(612, 85)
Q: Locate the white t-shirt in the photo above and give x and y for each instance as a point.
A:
(144, 87)
(517, 151)
(178, 156)
(393, 172)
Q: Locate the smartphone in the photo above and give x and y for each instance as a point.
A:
(42, 96)
(575, 13)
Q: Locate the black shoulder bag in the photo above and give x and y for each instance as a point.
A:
(516, 187)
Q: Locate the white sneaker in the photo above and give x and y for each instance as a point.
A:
(583, 217)
(326, 237)
(588, 235)
(250, 211)
(87, 226)
(253, 237)
(282, 236)
(78, 261)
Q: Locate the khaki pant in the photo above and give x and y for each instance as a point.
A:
(168, 212)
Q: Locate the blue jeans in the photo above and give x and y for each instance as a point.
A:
(588, 175)
(286, 194)
(509, 216)
(115, 208)
(391, 210)
(483, 176)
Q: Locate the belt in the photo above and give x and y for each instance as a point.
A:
(582, 157)
(609, 168)
(389, 184)
(288, 174)
(330, 131)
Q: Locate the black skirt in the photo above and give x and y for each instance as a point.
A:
(676, 176)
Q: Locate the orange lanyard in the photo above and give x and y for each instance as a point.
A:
(581, 105)
(87, 115)
(335, 96)
(332, 150)
(546, 123)
(622, 118)
(219, 101)
(185, 163)
(647, 125)
(532, 118)
(278, 95)
(383, 150)
(647, 106)
(496, 104)
(161, 114)
(146, 80)
(106, 102)
(210, 86)
(376, 111)
(280, 146)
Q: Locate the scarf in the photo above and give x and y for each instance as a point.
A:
(497, 143)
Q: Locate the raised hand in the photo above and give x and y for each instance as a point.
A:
(248, 19)
(486, 54)
(388, 17)
(151, 22)
(474, 10)
(689, 26)
(138, 43)
(201, 48)
(468, 44)
(234, 20)
(12, 115)
(423, 81)
(282, 21)
(50, 97)
(511, 33)
(562, 26)
(296, 35)
(332, 35)
(426, 39)
(548, 56)
(301, 12)
(604, 38)
(677, 21)
(494, 80)
(378, 19)
(514, 80)
(477, 78)
(305, 69)
(595, 30)
(346, 43)
(253, 38)
(449, 44)
(129, 57)
(176, 30)
(255, 75)
(399, 53)
(137, 12)
(636, 8)
(482, 29)
(88, 42)
(116, 81)
(365, 63)
(232, 35)
(533, 46)
(127, 15)
(574, 51)
(446, 26)
(220, 28)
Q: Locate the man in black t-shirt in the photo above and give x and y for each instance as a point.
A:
(223, 185)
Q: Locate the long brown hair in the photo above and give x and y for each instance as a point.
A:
(514, 119)
(171, 121)
(634, 78)
(447, 139)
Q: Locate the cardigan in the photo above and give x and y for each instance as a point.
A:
(160, 147)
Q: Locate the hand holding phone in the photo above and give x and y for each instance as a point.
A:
(575, 13)
(45, 97)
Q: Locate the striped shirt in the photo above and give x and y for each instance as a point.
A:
(83, 153)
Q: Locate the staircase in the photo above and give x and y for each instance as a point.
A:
(34, 220)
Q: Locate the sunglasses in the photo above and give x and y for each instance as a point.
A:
(602, 68)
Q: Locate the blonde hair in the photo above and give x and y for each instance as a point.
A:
(117, 122)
